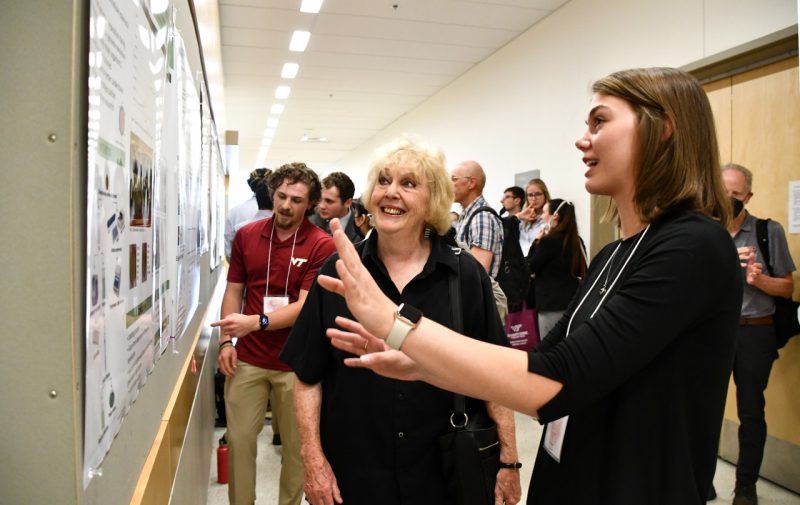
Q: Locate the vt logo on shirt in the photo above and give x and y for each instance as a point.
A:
(298, 262)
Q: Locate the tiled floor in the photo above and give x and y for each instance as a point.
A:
(528, 433)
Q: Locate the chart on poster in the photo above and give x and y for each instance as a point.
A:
(144, 193)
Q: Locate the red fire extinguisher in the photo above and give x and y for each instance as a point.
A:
(222, 461)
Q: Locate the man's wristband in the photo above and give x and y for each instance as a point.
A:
(225, 343)
(514, 466)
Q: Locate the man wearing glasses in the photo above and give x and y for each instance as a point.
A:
(476, 226)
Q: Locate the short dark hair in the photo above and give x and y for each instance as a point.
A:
(516, 192)
(296, 172)
(342, 182)
(358, 208)
(255, 175)
(263, 197)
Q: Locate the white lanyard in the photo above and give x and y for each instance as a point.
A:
(633, 251)
(269, 261)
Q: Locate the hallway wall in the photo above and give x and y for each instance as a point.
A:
(523, 108)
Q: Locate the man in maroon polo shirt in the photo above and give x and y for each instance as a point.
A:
(288, 250)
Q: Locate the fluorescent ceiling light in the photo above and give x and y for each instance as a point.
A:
(266, 142)
(289, 70)
(269, 132)
(277, 109)
(272, 122)
(299, 41)
(311, 6)
(282, 92)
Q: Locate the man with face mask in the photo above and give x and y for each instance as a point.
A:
(756, 347)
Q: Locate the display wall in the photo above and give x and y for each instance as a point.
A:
(109, 158)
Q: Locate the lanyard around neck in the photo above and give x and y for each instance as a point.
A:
(269, 261)
(588, 291)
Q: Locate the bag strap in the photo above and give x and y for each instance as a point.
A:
(485, 208)
(762, 237)
(459, 402)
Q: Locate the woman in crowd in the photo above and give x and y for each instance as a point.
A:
(531, 221)
(632, 381)
(366, 439)
(362, 218)
(556, 262)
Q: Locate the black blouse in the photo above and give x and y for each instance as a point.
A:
(645, 379)
(553, 283)
(379, 434)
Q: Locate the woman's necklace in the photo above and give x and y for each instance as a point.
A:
(604, 290)
(609, 267)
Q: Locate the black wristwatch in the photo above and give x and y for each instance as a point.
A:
(263, 321)
(513, 466)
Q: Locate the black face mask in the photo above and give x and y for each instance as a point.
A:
(738, 206)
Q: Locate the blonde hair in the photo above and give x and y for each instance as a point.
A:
(427, 162)
(681, 170)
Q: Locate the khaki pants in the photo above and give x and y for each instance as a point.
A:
(246, 397)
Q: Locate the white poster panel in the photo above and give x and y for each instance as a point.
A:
(185, 230)
(126, 85)
(794, 207)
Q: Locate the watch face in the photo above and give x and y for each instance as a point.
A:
(263, 321)
(410, 312)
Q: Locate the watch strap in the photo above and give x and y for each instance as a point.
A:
(398, 333)
(402, 326)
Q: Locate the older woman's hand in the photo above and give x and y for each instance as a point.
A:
(363, 296)
(373, 352)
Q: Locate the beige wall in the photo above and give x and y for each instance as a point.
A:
(523, 107)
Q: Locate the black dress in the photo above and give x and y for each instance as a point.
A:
(379, 434)
(645, 378)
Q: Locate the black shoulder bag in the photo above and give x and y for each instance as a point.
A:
(471, 452)
(786, 323)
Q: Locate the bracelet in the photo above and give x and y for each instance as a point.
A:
(514, 466)
(223, 344)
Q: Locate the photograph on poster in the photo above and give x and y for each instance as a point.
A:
(141, 183)
(132, 264)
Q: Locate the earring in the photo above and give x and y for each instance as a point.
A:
(427, 232)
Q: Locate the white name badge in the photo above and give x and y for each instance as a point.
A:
(554, 437)
(273, 303)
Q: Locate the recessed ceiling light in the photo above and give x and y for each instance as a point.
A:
(269, 132)
(282, 92)
(266, 142)
(272, 122)
(277, 109)
(311, 6)
(299, 41)
(308, 138)
(289, 70)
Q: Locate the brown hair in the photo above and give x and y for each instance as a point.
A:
(296, 172)
(681, 170)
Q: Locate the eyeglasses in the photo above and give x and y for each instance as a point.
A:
(535, 195)
(454, 178)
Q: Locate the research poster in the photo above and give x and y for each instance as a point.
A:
(142, 242)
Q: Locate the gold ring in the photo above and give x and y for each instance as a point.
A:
(365, 346)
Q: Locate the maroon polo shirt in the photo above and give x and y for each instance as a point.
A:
(249, 257)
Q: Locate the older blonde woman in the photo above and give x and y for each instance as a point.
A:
(367, 439)
(632, 380)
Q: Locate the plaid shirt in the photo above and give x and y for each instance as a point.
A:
(485, 231)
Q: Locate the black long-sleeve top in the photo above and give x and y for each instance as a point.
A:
(644, 379)
(554, 283)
